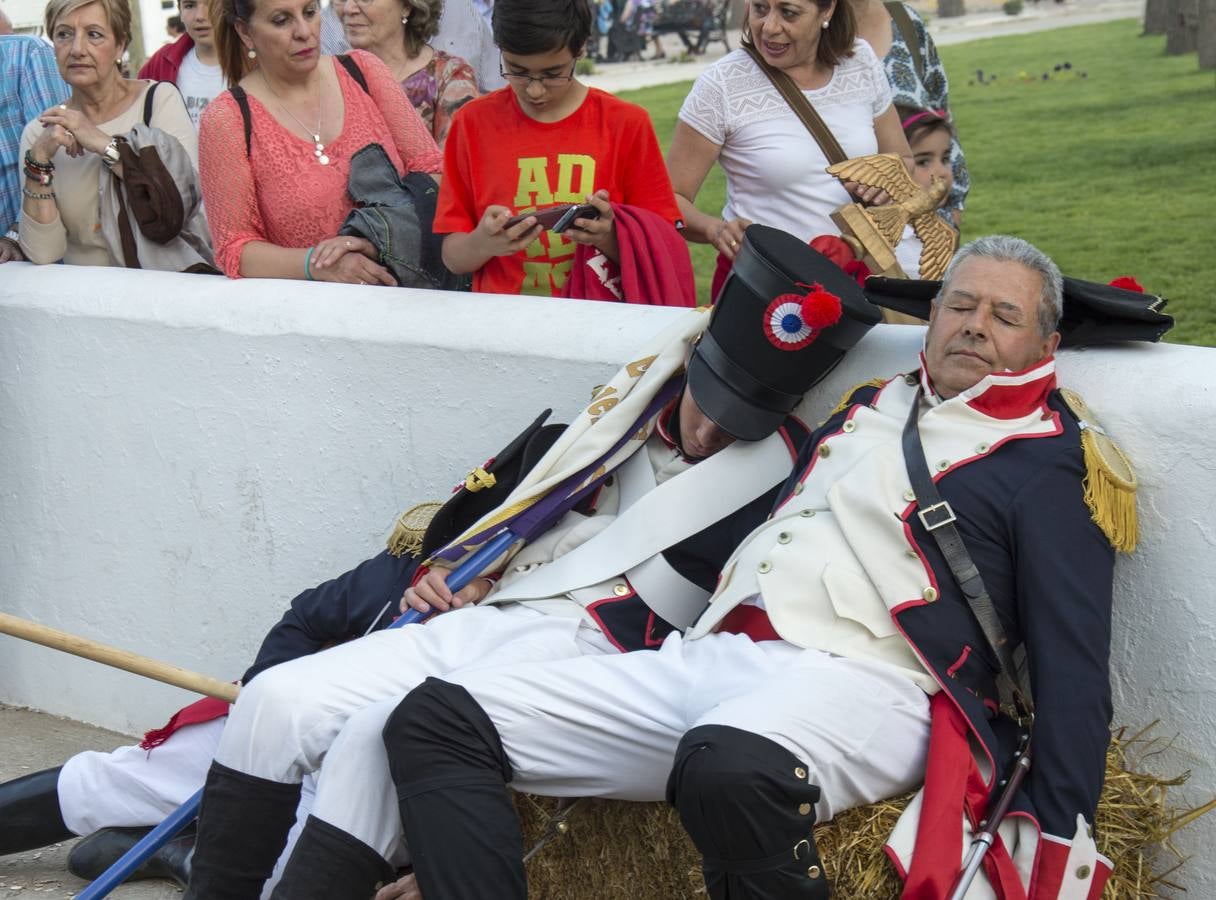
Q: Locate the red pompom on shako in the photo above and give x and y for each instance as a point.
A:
(793, 321)
(1128, 283)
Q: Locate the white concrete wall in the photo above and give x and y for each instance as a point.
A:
(180, 455)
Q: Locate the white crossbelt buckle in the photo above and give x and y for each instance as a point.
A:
(940, 514)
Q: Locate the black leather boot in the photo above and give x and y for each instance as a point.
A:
(94, 854)
(329, 864)
(451, 772)
(29, 812)
(748, 805)
(242, 829)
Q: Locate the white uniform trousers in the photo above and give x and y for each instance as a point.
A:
(131, 787)
(608, 725)
(333, 705)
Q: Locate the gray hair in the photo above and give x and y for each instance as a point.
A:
(1004, 248)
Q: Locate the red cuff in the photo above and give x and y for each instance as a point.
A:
(1051, 871)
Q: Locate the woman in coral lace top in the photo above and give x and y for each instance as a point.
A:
(276, 203)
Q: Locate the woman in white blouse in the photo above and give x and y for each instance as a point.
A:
(774, 168)
(68, 149)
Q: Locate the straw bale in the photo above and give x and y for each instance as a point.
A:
(613, 849)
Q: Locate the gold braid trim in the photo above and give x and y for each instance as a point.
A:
(1110, 482)
(847, 399)
(410, 528)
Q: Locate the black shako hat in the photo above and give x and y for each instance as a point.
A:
(775, 331)
(1093, 313)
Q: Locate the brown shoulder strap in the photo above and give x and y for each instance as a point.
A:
(907, 29)
(801, 106)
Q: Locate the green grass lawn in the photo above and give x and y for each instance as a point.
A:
(1111, 174)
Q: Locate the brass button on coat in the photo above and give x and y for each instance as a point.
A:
(784, 538)
(800, 773)
(765, 567)
(911, 554)
(849, 426)
(943, 465)
(807, 513)
(911, 380)
(813, 872)
(804, 809)
(798, 489)
(910, 495)
(824, 450)
(983, 447)
(930, 594)
(1083, 872)
(620, 589)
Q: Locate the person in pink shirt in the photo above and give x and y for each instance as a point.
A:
(274, 178)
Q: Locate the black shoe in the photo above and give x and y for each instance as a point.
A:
(29, 812)
(242, 829)
(95, 854)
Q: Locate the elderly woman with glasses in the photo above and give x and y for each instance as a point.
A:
(436, 83)
(276, 148)
(72, 152)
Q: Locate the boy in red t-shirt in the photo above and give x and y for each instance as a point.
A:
(546, 139)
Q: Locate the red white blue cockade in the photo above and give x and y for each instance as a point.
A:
(792, 321)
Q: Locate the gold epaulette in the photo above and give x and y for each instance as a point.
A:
(847, 399)
(410, 528)
(1110, 481)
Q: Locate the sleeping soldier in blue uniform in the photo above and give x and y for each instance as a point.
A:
(839, 662)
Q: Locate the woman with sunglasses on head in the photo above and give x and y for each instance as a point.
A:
(436, 83)
(775, 170)
(275, 176)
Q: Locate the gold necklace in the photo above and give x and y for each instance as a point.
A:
(319, 151)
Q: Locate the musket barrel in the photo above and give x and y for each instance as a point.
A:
(116, 657)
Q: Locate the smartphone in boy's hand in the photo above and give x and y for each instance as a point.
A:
(557, 218)
(582, 211)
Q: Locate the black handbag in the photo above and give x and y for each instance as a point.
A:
(1093, 313)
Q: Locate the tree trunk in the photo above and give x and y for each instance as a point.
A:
(1207, 34)
(1182, 30)
(948, 8)
(1154, 16)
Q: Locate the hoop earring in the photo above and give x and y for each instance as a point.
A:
(252, 54)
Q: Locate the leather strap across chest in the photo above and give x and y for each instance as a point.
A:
(938, 518)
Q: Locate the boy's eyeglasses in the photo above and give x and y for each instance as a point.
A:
(524, 80)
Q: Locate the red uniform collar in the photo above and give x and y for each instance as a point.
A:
(1001, 395)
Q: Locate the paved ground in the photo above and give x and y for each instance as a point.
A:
(986, 21)
(30, 741)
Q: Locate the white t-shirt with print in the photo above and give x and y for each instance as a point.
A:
(774, 168)
(199, 84)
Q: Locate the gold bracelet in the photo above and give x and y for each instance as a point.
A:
(34, 195)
